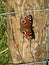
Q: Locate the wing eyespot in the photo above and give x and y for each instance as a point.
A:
(24, 32)
(24, 21)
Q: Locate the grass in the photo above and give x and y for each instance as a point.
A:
(4, 57)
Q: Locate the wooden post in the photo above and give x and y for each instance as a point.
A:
(20, 52)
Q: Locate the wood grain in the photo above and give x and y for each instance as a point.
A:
(20, 51)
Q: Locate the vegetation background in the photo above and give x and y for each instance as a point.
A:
(4, 57)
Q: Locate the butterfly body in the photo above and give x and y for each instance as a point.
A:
(26, 27)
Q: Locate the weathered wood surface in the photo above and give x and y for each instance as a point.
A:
(20, 51)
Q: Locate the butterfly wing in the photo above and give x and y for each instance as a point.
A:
(33, 34)
(26, 27)
(29, 20)
(27, 33)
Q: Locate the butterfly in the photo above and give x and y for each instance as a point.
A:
(26, 27)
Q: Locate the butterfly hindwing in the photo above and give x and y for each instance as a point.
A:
(27, 33)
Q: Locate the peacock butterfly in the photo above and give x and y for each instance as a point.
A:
(26, 27)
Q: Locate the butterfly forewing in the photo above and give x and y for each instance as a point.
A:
(29, 20)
